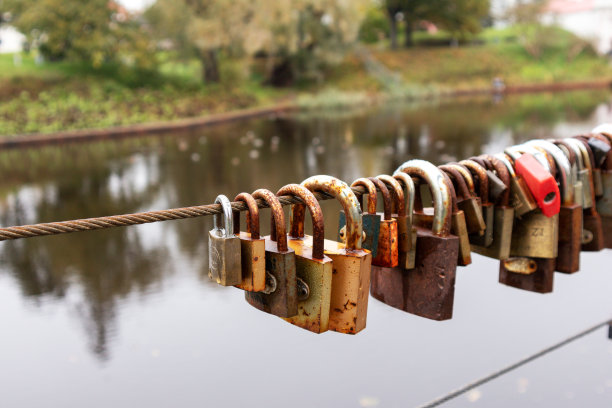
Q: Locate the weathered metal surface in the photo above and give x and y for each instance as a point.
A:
(252, 247)
(570, 238)
(406, 231)
(387, 254)
(470, 205)
(370, 220)
(593, 224)
(540, 281)
(351, 263)
(312, 266)
(535, 236)
(523, 266)
(480, 174)
(224, 261)
(387, 286)
(280, 263)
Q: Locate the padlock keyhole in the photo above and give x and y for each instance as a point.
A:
(550, 197)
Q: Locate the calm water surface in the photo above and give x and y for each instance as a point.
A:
(126, 317)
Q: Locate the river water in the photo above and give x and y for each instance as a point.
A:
(127, 317)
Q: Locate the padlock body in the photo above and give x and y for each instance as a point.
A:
(598, 182)
(404, 241)
(587, 191)
(283, 301)
(224, 259)
(502, 235)
(411, 256)
(350, 286)
(485, 239)
(535, 236)
(474, 219)
(593, 224)
(387, 254)
(570, 239)
(253, 260)
(606, 223)
(430, 286)
(541, 281)
(424, 219)
(371, 228)
(313, 313)
(521, 198)
(604, 204)
(387, 286)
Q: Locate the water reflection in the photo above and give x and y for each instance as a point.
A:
(103, 178)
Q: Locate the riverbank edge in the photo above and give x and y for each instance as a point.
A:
(118, 132)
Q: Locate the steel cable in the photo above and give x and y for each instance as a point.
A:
(90, 224)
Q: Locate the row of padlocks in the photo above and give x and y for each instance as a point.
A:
(534, 207)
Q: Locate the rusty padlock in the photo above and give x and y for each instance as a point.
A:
(351, 264)
(466, 199)
(252, 247)
(407, 252)
(313, 268)
(224, 264)
(280, 297)
(429, 288)
(604, 203)
(479, 174)
(593, 239)
(387, 253)
(503, 215)
(595, 171)
(570, 215)
(371, 220)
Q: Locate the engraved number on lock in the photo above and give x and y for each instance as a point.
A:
(537, 232)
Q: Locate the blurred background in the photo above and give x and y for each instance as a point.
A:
(127, 317)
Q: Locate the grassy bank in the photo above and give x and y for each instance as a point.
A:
(53, 97)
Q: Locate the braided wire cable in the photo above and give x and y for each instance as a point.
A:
(90, 224)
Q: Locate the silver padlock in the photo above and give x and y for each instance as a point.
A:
(224, 266)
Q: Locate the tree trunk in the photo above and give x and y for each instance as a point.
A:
(210, 66)
(408, 30)
(392, 28)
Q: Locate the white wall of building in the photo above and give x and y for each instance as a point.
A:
(11, 40)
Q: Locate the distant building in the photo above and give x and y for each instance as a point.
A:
(11, 40)
(589, 19)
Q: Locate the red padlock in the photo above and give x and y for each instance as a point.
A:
(541, 184)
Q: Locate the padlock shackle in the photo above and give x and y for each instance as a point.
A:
(451, 190)
(575, 146)
(252, 217)
(459, 183)
(517, 151)
(564, 168)
(226, 218)
(570, 154)
(605, 129)
(278, 228)
(384, 191)
(483, 179)
(372, 195)
(585, 153)
(298, 215)
(467, 177)
(396, 191)
(504, 159)
(352, 210)
(440, 193)
(503, 174)
(410, 193)
(584, 147)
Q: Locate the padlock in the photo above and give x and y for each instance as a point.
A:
(540, 181)
(604, 203)
(281, 299)
(570, 215)
(595, 171)
(387, 252)
(593, 237)
(576, 182)
(503, 215)
(429, 288)
(404, 221)
(351, 264)
(466, 201)
(531, 274)
(496, 186)
(521, 199)
(224, 247)
(479, 173)
(252, 247)
(371, 220)
(313, 268)
(408, 258)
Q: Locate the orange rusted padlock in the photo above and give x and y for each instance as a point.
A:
(252, 247)
(387, 253)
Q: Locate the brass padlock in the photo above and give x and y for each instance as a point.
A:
(281, 299)
(466, 199)
(252, 247)
(595, 171)
(224, 266)
(387, 253)
(429, 289)
(407, 252)
(503, 216)
(570, 215)
(351, 264)
(488, 211)
(521, 199)
(371, 220)
(593, 229)
(313, 268)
